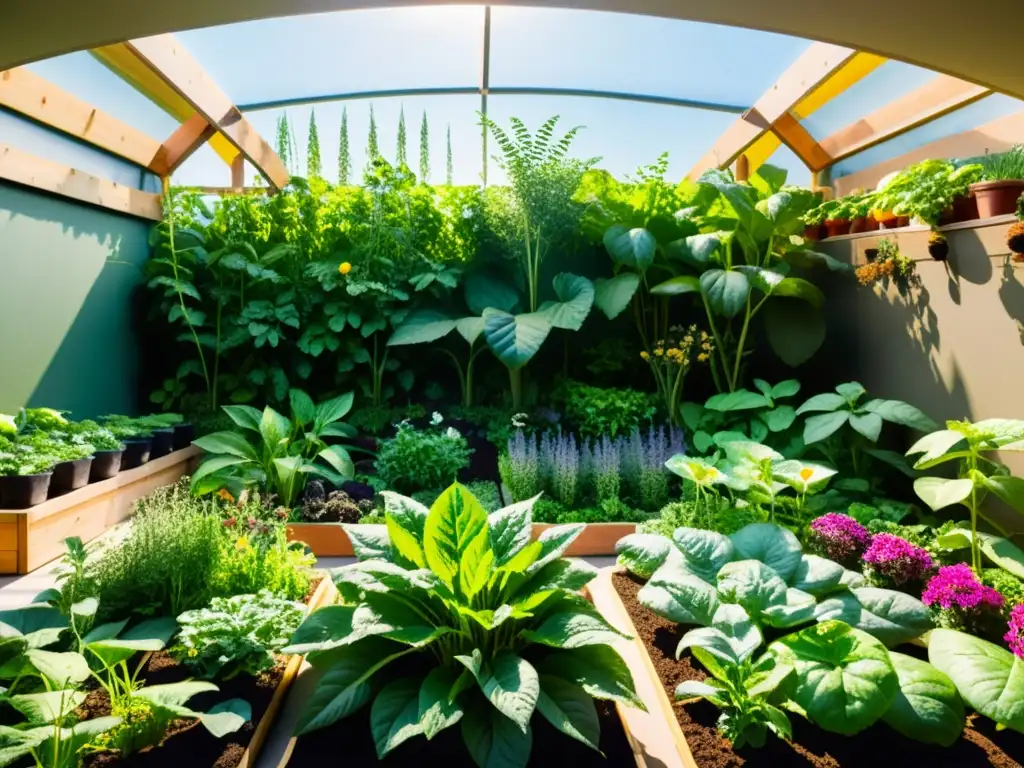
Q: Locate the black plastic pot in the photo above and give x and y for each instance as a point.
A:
(184, 434)
(105, 464)
(136, 452)
(70, 475)
(163, 441)
(24, 491)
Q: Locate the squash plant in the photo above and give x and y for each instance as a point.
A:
(489, 627)
(742, 258)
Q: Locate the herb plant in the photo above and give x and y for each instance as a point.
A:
(489, 625)
(421, 459)
(236, 635)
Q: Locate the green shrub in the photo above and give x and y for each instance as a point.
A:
(421, 460)
(237, 634)
(598, 412)
(378, 419)
(1008, 585)
(485, 491)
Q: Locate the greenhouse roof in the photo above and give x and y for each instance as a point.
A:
(641, 85)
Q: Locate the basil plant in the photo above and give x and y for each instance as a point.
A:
(455, 617)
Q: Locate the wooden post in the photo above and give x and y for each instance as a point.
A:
(238, 171)
(742, 168)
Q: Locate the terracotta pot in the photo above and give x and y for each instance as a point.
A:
(860, 224)
(965, 208)
(885, 219)
(837, 227)
(997, 198)
(812, 232)
(873, 226)
(902, 221)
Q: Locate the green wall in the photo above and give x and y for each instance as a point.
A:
(66, 276)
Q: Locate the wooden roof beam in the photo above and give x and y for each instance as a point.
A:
(813, 68)
(938, 97)
(180, 145)
(796, 137)
(28, 94)
(169, 60)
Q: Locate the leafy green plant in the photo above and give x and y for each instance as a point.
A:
(927, 189)
(977, 476)
(760, 416)
(17, 458)
(597, 411)
(236, 635)
(489, 626)
(1003, 166)
(45, 739)
(281, 452)
(421, 459)
(739, 686)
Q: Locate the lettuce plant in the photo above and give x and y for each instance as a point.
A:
(978, 476)
(489, 628)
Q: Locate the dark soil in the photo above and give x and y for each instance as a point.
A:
(187, 742)
(980, 744)
(550, 748)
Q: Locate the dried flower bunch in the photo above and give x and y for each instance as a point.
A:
(888, 263)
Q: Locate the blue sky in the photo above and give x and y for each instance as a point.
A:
(357, 51)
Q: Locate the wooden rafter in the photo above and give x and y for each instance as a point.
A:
(39, 173)
(26, 93)
(178, 69)
(813, 68)
(180, 145)
(938, 97)
(796, 137)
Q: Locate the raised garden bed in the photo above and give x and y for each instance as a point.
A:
(32, 537)
(694, 721)
(330, 539)
(187, 742)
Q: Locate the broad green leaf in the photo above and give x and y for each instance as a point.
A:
(509, 530)
(773, 545)
(642, 553)
(484, 291)
(230, 443)
(613, 295)
(704, 552)
(470, 328)
(494, 741)
(827, 401)
(679, 596)
(244, 416)
(455, 540)
(334, 409)
(989, 678)
(513, 687)
(726, 291)
(764, 280)
(868, 424)
(171, 697)
(395, 714)
(390, 615)
(226, 717)
(407, 549)
(938, 492)
(732, 638)
(740, 400)
(843, 678)
(677, 286)
(437, 710)
(570, 709)
(422, 326)
(798, 288)
(823, 425)
(553, 542)
(569, 573)
(779, 418)
(817, 575)
(851, 391)
(631, 247)
(573, 629)
(795, 329)
(273, 428)
(61, 668)
(892, 617)
(303, 409)
(797, 608)
(575, 298)
(49, 706)
(927, 708)
(1008, 488)
(515, 339)
(934, 447)
(901, 413)
(369, 542)
(814, 259)
(339, 460)
(39, 624)
(598, 669)
(697, 250)
(752, 585)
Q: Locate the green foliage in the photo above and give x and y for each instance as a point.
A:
(421, 459)
(727, 517)
(401, 153)
(1003, 166)
(344, 154)
(764, 416)
(425, 152)
(236, 635)
(281, 452)
(448, 155)
(977, 476)
(284, 141)
(372, 144)
(1009, 586)
(314, 168)
(489, 625)
(927, 189)
(598, 411)
(379, 419)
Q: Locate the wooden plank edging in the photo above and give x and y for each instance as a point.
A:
(655, 735)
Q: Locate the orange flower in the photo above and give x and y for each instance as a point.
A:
(345, 268)
(806, 474)
(225, 494)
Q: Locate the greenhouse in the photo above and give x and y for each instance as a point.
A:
(498, 386)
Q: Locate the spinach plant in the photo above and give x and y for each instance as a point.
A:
(977, 476)
(760, 416)
(45, 738)
(281, 452)
(489, 627)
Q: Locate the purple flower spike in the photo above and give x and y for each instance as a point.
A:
(897, 558)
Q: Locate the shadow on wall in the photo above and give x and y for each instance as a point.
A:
(67, 272)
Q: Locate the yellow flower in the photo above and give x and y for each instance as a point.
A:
(644, 355)
(192, 653)
(345, 268)
(242, 544)
(225, 494)
(659, 351)
(702, 358)
(806, 474)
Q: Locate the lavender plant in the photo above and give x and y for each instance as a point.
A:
(604, 470)
(519, 467)
(565, 469)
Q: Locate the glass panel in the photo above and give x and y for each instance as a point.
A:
(343, 52)
(636, 54)
(458, 112)
(784, 157)
(84, 77)
(977, 114)
(887, 83)
(623, 134)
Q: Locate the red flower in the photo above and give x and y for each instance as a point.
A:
(230, 522)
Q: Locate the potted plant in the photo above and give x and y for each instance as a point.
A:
(1015, 234)
(860, 213)
(137, 440)
(838, 220)
(24, 474)
(887, 262)
(817, 219)
(74, 463)
(1002, 182)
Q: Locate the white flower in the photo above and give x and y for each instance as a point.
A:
(467, 212)
(435, 419)
(519, 420)
(452, 433)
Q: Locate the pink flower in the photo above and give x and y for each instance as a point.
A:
(839, 537)
(956, 587)
(897, 558)
(1015, 637)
